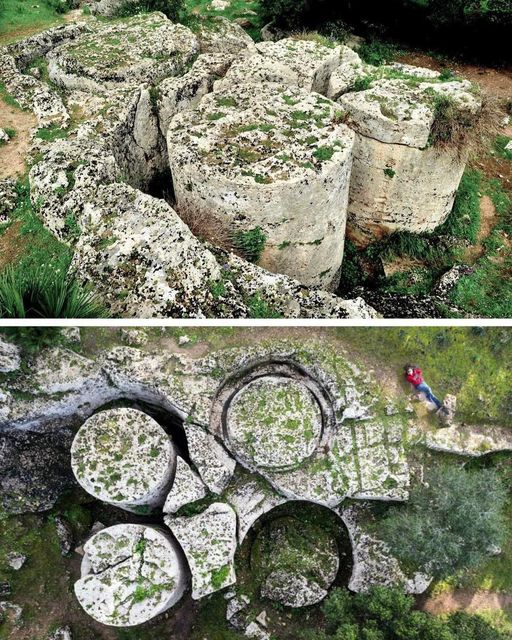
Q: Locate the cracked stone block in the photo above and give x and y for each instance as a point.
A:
(187, 487)
(209, 543)
(274, 422)
(253, 157)
(400, 181)
(289, 62)
(123, 457)
(130, 574)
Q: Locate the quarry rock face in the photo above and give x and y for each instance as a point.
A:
(124, 457)
(187, 487)
(10, 357)
(248, 156)
(130, 574)
(401, 179)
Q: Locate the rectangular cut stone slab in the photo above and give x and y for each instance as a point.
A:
(214, 464)
(209, 543)
(187, 487)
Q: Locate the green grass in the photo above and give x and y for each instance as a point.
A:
(499, 147)
(51, 133)
(236, 10)
(19, 18)
(7, 97)
(260, 309)
(250, 243)
(464, 220)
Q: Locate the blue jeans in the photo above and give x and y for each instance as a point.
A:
(424, 388)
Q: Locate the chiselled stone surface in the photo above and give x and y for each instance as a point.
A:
(248, 156)
(274, 422)
(209, 543)
(130, 574)
(187, 487)
(124, 457)
(129, 51)
(350, 69)
(223, 36)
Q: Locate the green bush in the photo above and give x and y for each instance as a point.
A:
(46, 293)
(386, 613)
(450, 521)
(173, 9)
(250, 243)
(62, 6)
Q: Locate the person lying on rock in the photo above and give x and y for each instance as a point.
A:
(414, 375)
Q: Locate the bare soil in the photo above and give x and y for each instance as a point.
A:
(13, 154)
(467, 600)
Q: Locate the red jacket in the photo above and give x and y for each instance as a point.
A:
(415, 378)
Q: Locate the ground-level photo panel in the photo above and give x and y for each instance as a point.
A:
(255, 159)
(275, 483)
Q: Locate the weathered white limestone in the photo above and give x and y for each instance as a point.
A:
(350, 69)
(274, 422)
(10, 356)
(187, 487)
(290, 62)
(260, 157)
(130, 574)
(220, 35)
(122, 456)
(373, 563)
(400, 181)
(212, 461)
(139, 49)
(209, 543)
(251, 497)
(184, 92)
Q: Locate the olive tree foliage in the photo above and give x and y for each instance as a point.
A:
(450, 523)
(387, 613)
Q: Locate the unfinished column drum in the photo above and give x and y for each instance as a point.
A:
(124, 457)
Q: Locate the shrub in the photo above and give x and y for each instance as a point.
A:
(173, 9)
(450, 522)
(250, 243)
(45, 293)
(62, 6)
(377, 52)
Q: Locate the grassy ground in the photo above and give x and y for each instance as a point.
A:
(20, 18)
(246, 11)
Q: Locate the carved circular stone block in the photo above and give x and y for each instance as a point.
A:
(274, 422)
(123, 457)
(130, 574)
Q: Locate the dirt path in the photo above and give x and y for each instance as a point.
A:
(467, 600)
(14, 153)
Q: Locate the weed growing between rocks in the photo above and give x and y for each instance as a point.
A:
(250, 243)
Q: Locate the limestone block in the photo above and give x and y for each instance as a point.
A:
(399, 181)
(143, 259)
(10, 356)
(220, 35)
(350, 69)
(123, 457)
(143, 48)
(289, 62)
(395, 187)
(130, 574)
(187, 487)
(212, 461)
(209, 543)
(262, 158)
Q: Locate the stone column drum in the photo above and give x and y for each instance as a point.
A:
(400, 180)
(130, 574)
(269, 157)
(123, 457)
